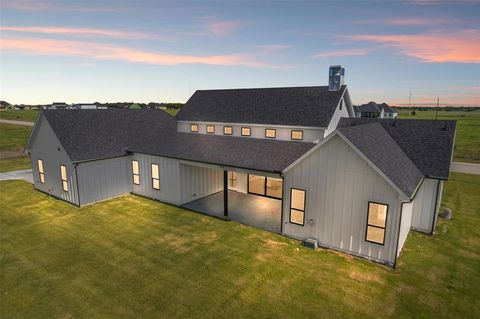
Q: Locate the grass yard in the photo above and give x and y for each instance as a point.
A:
(15, 164)
(12, 141)
(134, 257)
(172, 112)
(19, 115)
(467, 140)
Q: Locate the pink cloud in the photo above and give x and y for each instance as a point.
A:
(460, 47)
(26, 5)
(221, 28)
(110, 52)
(342, 53)
(81, 32)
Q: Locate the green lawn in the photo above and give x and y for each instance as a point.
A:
(13, 137)
(19, 115)
(172, 112)
(15, 164)
(134, 257)
(467, 141)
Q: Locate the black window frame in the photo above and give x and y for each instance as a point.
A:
(133, 174)
(206, 129)
(304, 206)
(264, 187)
(227, 126)
(296, 139)
(191, 128)
(367, 224)
(153, 179)
(271, 129)
(249, 131)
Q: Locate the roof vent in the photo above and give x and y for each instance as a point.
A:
(335, 78)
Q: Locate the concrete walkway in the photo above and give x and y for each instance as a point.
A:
(16, 122)
(467, 168)
(25, 175)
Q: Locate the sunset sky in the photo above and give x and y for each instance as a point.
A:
(161, 51)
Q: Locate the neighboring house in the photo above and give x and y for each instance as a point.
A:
(84, 106)
(291, 160)
(58, 106)
(374, 110)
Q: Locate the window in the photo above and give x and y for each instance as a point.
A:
(210, 129)
(63, 174)
(246, 131)
(41, 175)
(297, 135)
(265, 186)
(297, 206)
(270, 133)
(227, 130)
(193, 127)
(155, 177)
(135, 172)
(232, 179)
(376, 223)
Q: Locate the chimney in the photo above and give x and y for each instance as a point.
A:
(335, 79)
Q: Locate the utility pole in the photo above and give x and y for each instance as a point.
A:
(409, 103)
(436, 110)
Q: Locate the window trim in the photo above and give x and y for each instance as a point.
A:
(296, 139)
(264, 187)
(212, 126)
(247, 128)
(274, 132)
(133, 174)
(41, 175)
(191, 128)
(225, 127)
(64, 180)
(153, 178)
(304, 206)
(367, 225)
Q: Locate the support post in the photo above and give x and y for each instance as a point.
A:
(225, 193)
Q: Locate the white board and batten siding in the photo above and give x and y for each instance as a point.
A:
(341, 111)
(310, 134)
(198, 181)
(406, 224)
(426, 204)
(103, 179)
(46, 147)
(339, 184)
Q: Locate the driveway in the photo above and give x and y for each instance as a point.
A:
(467, 168)
(16, 122)
(25, 175)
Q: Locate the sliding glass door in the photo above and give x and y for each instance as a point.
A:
(265, 186)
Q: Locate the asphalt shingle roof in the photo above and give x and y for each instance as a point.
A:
(302, 106)
(95, 134)
(380, 148)
(428, 143)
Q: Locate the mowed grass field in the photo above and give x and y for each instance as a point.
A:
(133, 257)
(12, 141)
(467, 139)
(19, 115)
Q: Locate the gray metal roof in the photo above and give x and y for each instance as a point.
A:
(302, 106)
(94, 134)
(380, 148)
(372, 107)
(428, 143)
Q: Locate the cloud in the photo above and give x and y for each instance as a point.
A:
(409, 21)
(87, 32)
(110, 52)
(221, 27)
(25, 5)
(268, 49)
(342, 53)
(459, 47)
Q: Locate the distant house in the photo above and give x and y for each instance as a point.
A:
(58, 106)
(374, 110)
(293, 160)
(84, 106)
(4, 105)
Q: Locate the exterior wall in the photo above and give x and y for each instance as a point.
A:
(169, 178)
(424, 206)
(47, 147)
(197, 182)
(339, 184)
(406, 224)
(241, 183)
(339, 113)
(103, 179)
(257, 131)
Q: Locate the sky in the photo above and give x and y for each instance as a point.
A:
(162, 51)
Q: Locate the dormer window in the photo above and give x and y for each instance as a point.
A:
(227, 130)
(297, 135)
(270, 133)
(246, 131)
(194, 128)
(210, 129)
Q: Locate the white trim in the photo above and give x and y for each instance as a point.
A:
(33, 132)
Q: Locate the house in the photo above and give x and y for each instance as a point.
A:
(58, 106)
(374, 110)
(84, 106)
(290, 160)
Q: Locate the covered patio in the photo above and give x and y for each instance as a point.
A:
(254, 210)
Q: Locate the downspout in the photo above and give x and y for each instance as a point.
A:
(398, 235)
(281, 208)
(78, 189)
(435, 209)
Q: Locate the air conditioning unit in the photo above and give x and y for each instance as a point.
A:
(310, 243)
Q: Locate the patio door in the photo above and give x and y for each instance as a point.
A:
(265, 186)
